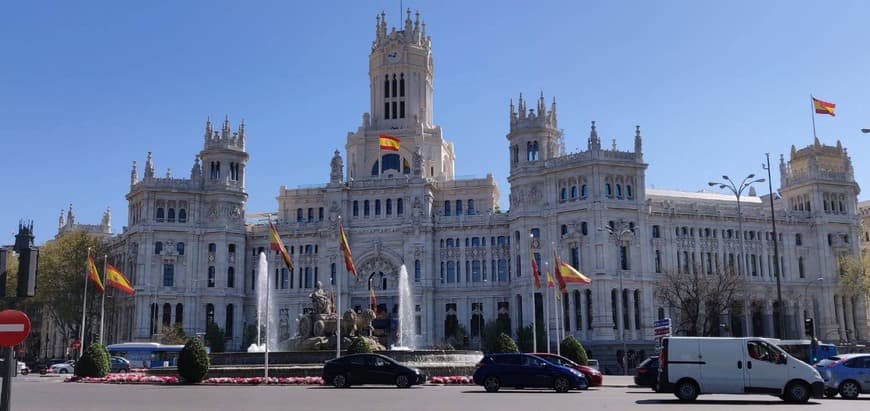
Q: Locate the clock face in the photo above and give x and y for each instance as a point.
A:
(394, 56)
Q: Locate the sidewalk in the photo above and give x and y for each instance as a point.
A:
(619, 381)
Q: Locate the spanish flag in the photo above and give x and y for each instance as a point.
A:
(536, 273)
(372, 299)
(563, 287)
(823, 107)
(389, 143)
(94, 274)
(571, 275)
(345, 248)
(550, 283)
(276, 244)
(114, 278)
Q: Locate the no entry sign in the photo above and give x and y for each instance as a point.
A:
(14, 327)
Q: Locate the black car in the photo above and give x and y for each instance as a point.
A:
(119, 364)
(359, 369)
(647, 373)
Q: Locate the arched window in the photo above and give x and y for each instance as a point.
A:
(583, 191)
(384, 283)
(608, 190)
(390, 162)
(564, 229)
(182, 215)
(402, 85)
(458, 207)
(160, 214)
(614, 314)
(389, 206)
(470, 207)
(386, 86)
(209, 314)
(299, 216)
(619, 190)
(400, 209)
(395, 88)
(636, 309)
(589, 309)
(366, 210)
(417, 271)
(532, 151)
(801, 272)
(167, 315)
(211, 279)
(378, 207)
(228, 324)
(158, 247)
(231, 277)
(584, 228)
(179, 247)
(563, 194)
(447, 207)
(355, 208)
(170, 215)
(628, 192)
(179, 315)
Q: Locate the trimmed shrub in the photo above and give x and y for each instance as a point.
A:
(193, 362)
(94, 362)
(359, 345)
(505, 344)
(571, 349)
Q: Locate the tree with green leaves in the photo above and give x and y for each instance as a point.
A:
(854, 275)
(572, 349)
(95, 362)
(214, 337)
(505, 344)
(61, 282)
(193, 363)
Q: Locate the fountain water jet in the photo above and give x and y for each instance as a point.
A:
(406, 313)
(265, 311)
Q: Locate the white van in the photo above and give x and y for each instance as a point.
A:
(689, 366)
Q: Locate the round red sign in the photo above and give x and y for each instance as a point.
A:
(14, 327)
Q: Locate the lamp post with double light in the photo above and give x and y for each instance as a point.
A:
(776, 262)
(737, 190)
(618, 231)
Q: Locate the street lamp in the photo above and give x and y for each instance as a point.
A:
(776, 265)
(737, 190)
(616, 231)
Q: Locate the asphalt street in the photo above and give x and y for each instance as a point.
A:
(37, 394)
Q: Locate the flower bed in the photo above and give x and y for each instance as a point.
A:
(451, 379)
(263, 380)
(127, 378)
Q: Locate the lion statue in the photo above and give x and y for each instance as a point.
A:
(364, 322)
(348, 323)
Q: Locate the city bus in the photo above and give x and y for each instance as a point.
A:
(800, 349)
(147, 354)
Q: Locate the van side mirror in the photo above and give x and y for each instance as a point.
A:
(780, 359)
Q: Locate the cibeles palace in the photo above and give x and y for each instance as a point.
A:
(191, 250)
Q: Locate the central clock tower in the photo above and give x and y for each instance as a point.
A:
(401, 73)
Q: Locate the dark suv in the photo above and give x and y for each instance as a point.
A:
(525, 371)
(120, 364)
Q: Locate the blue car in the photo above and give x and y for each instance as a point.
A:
(846, 374)
(525, 371)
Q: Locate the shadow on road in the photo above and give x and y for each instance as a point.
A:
(717, 402)
(500, 392)
(365, 387)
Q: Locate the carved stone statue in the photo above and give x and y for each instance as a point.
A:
(320, 303)
(336, 168)
(417, 164)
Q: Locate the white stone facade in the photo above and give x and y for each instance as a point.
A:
(465, 257)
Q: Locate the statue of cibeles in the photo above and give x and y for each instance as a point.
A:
(320, 303)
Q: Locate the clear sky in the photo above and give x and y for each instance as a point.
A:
(86, 87)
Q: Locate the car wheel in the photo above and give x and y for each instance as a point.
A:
(849, 390)
(686, 390)
(797, 392)
(402, 381)
(123, 371)
(62, 371)
(339, 381)
(492, 384)
(561, 384)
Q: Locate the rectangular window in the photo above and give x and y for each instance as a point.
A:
(658, 262)
(655, 231)
(416, 271)
(211, 276)
(395, 111)
(386, 110)
(401, 109)
(623, 257)
(168, 275)
(575, 257)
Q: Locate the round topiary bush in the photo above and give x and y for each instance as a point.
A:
(505, 343)
(359, 345)
(571, 349)
(193, 362)
(94, 362)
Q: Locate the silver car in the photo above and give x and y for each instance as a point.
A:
(846, 374)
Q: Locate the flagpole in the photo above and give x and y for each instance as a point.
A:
(559, 323)
(532, 287)
(338, 300)
(266, 340)
(103, 302)
(813, 114)
(547, 310)
(84, 306)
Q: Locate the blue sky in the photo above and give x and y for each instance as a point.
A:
(88, 87)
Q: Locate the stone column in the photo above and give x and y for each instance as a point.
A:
(768, 319)
(849, 329)
(840, 316)
(602, 323)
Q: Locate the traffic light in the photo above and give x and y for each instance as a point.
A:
(809, 328)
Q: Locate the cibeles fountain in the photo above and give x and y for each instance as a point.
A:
(315, 333)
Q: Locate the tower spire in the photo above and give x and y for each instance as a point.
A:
(134, 174)
(149, 167)
(638, 145)
(594, 143)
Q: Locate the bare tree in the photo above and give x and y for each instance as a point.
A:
(700, 298)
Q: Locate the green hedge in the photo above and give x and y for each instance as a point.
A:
(571, 349)
(94, 362)
(193, 362)
(505, 343)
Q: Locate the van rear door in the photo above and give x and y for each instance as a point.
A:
(723, 366)
(683, 359)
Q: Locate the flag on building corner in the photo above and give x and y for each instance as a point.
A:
(276, 244)
(389, 143)
(94, 274)
(114, 278)
(823, 107)
(345, 248)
